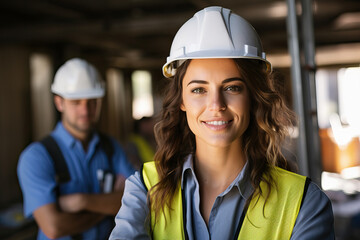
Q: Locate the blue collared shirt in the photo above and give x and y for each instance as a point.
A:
(314, 221)
(36, 173)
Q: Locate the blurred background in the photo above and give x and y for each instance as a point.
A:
(314, 47)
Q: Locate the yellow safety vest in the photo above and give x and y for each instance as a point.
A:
(275, 221)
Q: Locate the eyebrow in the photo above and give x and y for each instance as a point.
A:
(233, 79)
(225, 81)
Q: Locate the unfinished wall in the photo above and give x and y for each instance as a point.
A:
(15, 120)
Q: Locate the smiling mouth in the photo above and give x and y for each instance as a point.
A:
(217, 123)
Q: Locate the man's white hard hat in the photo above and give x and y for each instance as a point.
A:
(214, 32)
(78, 79)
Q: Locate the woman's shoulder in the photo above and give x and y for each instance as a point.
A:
(314, 193)
(315, 210)
(286, 173)
(311, 188)
(286, 179)
(315, 219)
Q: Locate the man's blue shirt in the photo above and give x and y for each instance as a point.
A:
(37, 174)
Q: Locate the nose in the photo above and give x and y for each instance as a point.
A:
(85, 106)
(217, 101)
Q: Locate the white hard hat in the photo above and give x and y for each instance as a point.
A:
(78, 79)
(214, 32)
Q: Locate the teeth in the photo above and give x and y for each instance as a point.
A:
(217, 122)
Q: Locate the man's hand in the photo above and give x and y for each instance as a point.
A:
(73, 203)
(119, 183)
(104, 203)
(56, 224)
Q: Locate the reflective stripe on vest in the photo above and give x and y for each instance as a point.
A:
(275, 221)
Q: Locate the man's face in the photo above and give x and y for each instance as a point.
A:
(79, 116)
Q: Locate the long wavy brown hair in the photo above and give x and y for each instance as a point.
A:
(269, 122)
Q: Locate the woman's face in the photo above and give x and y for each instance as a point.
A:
(216, 101)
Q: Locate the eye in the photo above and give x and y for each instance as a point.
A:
(234, 88)
(74, 102)
(198, 90)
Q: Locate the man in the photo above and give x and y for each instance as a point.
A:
(80, 206)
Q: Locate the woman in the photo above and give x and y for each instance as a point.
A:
(218, 171)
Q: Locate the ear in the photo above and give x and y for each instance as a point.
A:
(58, 103)
(182, 107)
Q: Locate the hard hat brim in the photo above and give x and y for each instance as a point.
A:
(98, 93)
(169, 71)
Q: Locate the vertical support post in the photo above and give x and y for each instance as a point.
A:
(309, 86)
(297, 88)
(303, 79)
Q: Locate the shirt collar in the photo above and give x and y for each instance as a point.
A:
(242, 181)
(69, 140)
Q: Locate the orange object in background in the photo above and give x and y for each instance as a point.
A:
(335, 158)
